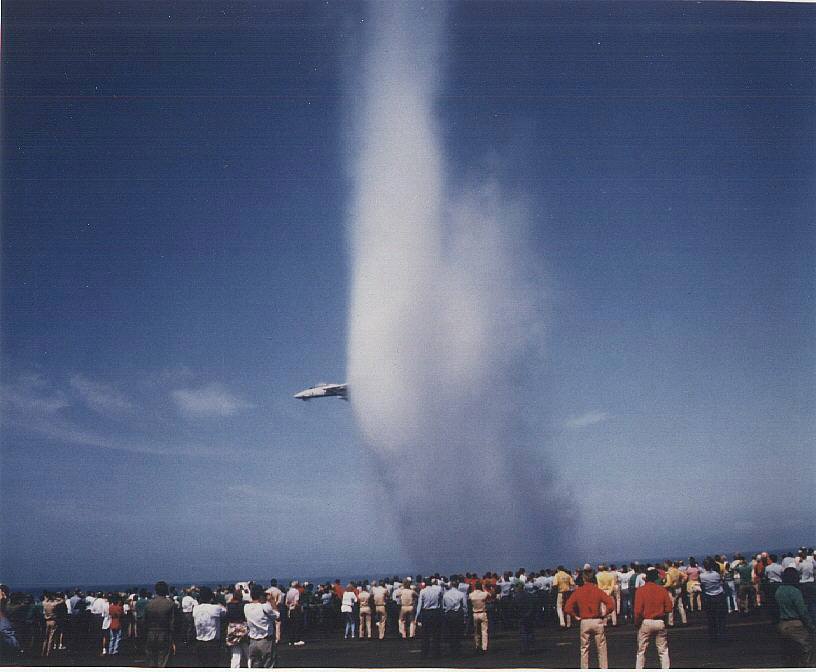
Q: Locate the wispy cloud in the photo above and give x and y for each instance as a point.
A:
(587, 419)
(101, 397)
(33, 405)
(31, 393)
(212, 399)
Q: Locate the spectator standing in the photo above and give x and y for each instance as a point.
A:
(49, 606)
(625, 604)
(364, 598)
(347, 609)
(807, 569)
(693, 588)
(260, 619)
(237, 630)
(652, 604)
(586, 605)
(606, 581)
(563, 583)
(294, 614)
(745, 587)
(115, 616)
(713, 599)
(188, 602)
(407, 599)
(207, 622)
(795, 626)
(773, 579)
(478, 602)
(429, 616)
(379, 595)
(159, 624)
(673, 583)
(275, 597)
(525, 608)
(454, 615)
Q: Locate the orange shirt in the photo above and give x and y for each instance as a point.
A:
(586, 602)
(651, 601)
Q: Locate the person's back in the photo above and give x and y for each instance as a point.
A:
(407, 597)
(260, 617)
(587, 603)
(159, 624)
(159, 615)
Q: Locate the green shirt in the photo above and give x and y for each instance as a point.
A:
(744, 571)
(792, 605)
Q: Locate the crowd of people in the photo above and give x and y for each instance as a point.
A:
(243, 624)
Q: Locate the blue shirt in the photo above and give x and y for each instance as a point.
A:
(773, 572)
(430, 597)
(455, 600)
(711, 583)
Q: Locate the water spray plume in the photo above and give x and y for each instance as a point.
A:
(446, 322)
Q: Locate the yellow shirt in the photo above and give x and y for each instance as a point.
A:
(563, 581)
(606, 581)
(674, 578)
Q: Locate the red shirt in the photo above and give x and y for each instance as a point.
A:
(116, 611)
(338, 590)
(586, 601)
(651, 601)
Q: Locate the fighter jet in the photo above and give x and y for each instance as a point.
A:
(324, 390)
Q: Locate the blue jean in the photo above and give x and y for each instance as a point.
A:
(731, 596)
(351, 623)
(115, 640)
(626, 604)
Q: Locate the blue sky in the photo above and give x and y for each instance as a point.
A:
(175, 266)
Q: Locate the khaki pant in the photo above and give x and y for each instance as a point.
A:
(648, 628)
(480, 629)
(593, 627)
(49, 638)
(797, 643)
(559, 609)
(382, 619)
(365, 623)
(677, 603)
(407, 624)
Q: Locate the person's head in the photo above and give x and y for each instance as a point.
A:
(162, 589)
(588, 576)
(237, 595)
(790, 576)
(772, 556)
(478, 585)
(205, 595)
(257, 593)
(652, 574)
(709, 565)
(273, 583)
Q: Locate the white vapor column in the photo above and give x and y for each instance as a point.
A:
(446, 322)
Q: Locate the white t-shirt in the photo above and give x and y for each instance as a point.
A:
(623, 579)
(349, 600)
(207, 619)
(99, 606)
(260, 617)
(187, 604)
